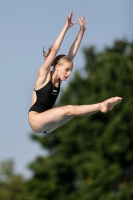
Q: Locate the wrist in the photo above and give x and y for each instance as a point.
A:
(66, 27)
(82, 29)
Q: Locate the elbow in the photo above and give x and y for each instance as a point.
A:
(71, 55)
(54, 49)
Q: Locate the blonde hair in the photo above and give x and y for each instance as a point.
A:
(60, 59)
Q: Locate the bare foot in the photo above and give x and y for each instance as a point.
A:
(108, 104)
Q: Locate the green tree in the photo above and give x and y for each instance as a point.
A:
(12, 186)
(91, 157)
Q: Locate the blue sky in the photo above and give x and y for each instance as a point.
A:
(27, 26)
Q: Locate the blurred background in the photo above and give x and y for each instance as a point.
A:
(27, 26)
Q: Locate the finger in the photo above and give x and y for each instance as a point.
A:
(83, 24)
(83, 20)
(79, 19)
(70, 15)
(74, 22)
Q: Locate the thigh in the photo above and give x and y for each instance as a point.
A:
(58, 124)
(41, 122)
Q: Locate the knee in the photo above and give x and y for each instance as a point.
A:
(70, 110)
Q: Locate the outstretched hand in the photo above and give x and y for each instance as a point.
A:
(82, 22)
(69, 22)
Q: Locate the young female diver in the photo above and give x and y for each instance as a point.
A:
(42, 116)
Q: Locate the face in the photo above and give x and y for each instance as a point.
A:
(64, 70)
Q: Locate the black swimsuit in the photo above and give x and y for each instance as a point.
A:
(46, 97)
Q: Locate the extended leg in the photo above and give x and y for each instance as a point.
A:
(53, 118)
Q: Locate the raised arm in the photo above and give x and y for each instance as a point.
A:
(57, 44)
(74, 48)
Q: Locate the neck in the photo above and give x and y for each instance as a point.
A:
(54, 78)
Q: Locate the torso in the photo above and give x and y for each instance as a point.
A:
(45, 97)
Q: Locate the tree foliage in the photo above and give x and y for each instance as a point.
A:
(90, 157)
(12, 186)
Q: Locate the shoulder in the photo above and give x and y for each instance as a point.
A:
(42, 79)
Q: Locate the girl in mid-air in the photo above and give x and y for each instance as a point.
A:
(42, 116)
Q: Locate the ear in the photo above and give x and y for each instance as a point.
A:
(56, 67)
